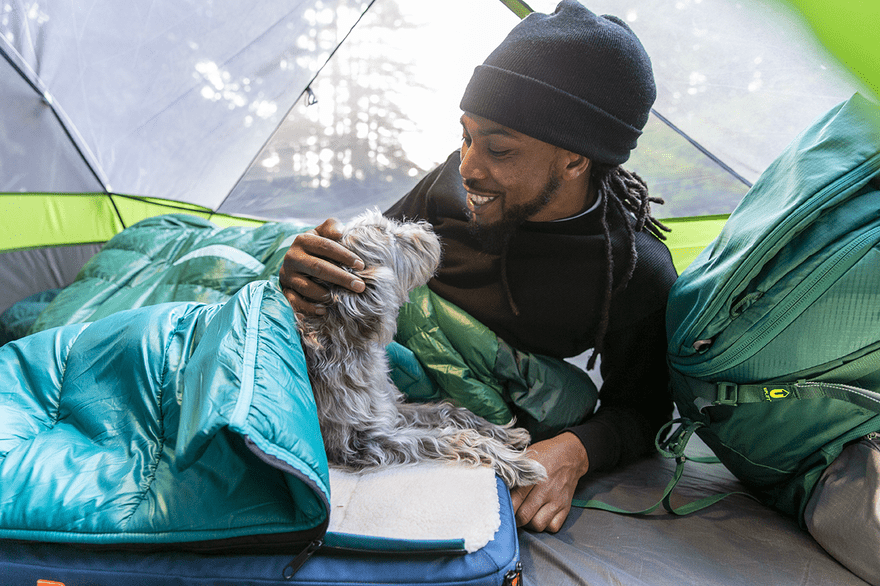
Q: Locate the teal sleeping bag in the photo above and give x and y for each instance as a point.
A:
(441, 352)
(167, 384)
(180, 425)
(134, 445)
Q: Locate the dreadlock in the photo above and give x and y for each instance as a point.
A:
(627, 194)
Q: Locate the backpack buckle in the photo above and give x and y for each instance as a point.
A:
(728, 393)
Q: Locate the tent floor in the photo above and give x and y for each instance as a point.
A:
(736, 542)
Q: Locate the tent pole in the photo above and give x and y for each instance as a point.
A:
(61, 117)
(518, 7)
(702, 149)
(306, 91)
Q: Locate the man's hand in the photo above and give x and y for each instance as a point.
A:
(317, 254)
(545, 506)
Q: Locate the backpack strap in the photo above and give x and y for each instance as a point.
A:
(732, 394)
(518, 7)
(725, 393)
(672, 447)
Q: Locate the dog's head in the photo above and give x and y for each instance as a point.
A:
(398, 257)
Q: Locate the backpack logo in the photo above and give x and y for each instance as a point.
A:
(775, 394)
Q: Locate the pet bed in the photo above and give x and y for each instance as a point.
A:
(181, 433)
(484, 552)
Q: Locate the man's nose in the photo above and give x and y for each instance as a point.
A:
(471, 167)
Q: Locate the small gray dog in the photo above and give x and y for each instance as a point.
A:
(364, 418)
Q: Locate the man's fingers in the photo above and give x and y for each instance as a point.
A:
(329, 228)
(538, 515)
(321, 260)
(328, 249)
(301, 305)
(331, 231)
(518, 495)
(558, 521)
(304, 292)
(316, 255)
(540, 507)
(529, 505)
(549, 518)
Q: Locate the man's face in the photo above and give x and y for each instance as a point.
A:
(509, 177)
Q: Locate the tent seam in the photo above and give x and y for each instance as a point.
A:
(295, 102)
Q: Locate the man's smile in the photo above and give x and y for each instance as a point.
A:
(480, 200)
(477, 199)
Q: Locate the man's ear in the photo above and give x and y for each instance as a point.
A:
(574, 165)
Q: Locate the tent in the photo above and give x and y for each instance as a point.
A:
(302, 110)
(295, 110)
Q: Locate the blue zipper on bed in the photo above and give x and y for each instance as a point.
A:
(437, 549)
(301, 558)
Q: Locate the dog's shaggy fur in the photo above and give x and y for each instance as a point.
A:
(364, 419)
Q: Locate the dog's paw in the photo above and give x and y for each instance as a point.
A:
(516, 438)
(522, 471)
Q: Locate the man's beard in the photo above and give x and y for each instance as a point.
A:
(494, 237)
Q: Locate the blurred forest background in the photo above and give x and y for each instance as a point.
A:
(736, 81)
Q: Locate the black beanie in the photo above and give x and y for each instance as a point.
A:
(572, 79)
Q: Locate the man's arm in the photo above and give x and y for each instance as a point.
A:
(635, 403)
(635, 400)
(545, 506)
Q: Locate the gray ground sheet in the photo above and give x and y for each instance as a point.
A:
(734, 542)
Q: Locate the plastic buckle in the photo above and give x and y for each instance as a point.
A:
(676, 441)
(728, 393)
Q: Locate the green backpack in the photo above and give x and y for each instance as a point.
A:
(774, 330)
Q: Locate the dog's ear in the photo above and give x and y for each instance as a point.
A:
(410, 249)
(370, 315)
(419, 253)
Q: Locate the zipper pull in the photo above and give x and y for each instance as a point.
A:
(301, 558)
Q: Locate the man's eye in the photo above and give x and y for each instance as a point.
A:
(466, 139)
(501, 153)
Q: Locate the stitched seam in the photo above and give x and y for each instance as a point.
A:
(853, 390)
(245, 398)
(154, 465)
(56, 415)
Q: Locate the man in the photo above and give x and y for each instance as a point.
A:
(547, 241)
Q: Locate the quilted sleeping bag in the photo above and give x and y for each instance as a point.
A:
(181, 424)
(441, 352)
(180, 414)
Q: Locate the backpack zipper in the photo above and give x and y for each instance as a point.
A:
(848, 181)
(319, 544)
(818, 282)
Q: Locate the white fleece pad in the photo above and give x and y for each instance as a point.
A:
(419, 501)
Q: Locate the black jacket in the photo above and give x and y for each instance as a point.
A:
(556, 279)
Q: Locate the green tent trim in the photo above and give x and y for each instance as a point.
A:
(39, 220)
(690, 236)
(519, 8)
(64, 219)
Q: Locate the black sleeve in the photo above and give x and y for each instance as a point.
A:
(635, 400)
(412, 206)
